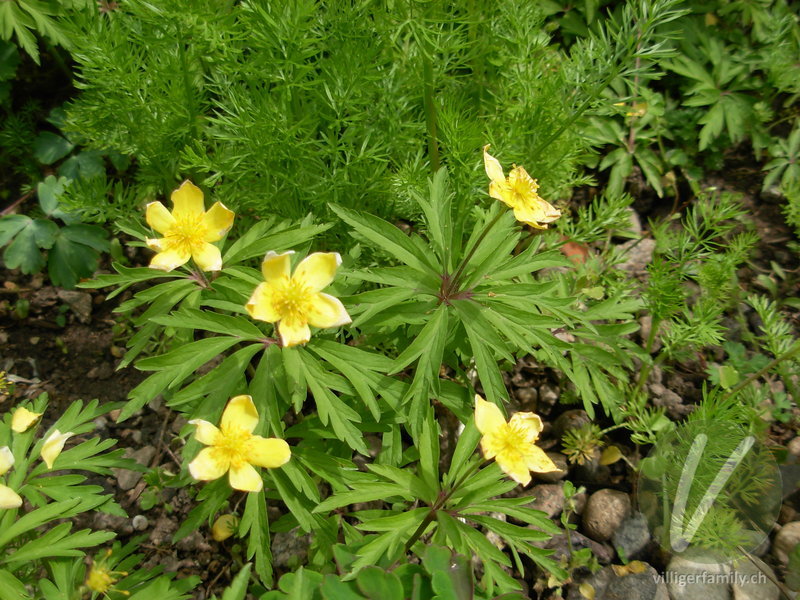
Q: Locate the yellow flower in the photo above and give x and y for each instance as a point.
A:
(188, 230)
(8, 497)
(53, 446)
(101, 579)
(296, 300)
(234, 448)
(512, 444)
(224, 527)
(519, 192)
(23, 419)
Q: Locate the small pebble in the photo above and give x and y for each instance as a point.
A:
(140, 522)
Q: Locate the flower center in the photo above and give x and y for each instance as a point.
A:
(523, 187)
(187, 234)
(292, 301)
(232, 443)
(99, 580)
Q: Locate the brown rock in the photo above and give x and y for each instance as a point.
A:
(605, 511)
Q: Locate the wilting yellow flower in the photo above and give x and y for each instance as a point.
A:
(188, 231)
(224, 527)
(8, 497)
(101, 579)
(519, 191)
(23, 419)
(512, 444)
(233, 447)
(53, 446)
(296, 300)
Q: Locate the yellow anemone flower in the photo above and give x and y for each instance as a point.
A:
(296, 300)
(8, 497)
(233, 447)
(23, 419)
(519, 191)
(101, 579)
(512, 444)
(53, 446)
(187, 230)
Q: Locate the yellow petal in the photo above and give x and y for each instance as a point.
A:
(218, 221)
(293, 332)
(500, 191)
(156, 244)
(6, 460)
(209, 464)
(224, 527)
(169, 260)
(159, 218)
(53, 446)
(23, 419)
(538, 461)
(205, 432)
(9, 498)
(277, 266)
(528, 422)
(270, 453)
(245, 478)
(514, 466)
(207, 257)
(488, 416)
(240, 413)
(187, 200)
(261, 306)
(327, 311)
(317, 270)
(492, 166)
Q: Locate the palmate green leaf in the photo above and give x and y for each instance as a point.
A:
(266, 235)
(255, 527)
(38, 517)
(12, 588)
(58, 541)
(227, 325)
(49, 147)
(75, 254)
(23, 253)
(228, 375)
(429, 448)
(389, 238)
(237, 590)
(185, 360)
(330, 407)
(366, 491)
(436, 208)
(11, 225)
(354, 363)
(125, 277)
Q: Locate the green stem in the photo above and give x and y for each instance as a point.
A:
(452, 285)
(430, 112)
(441, 500)
(646, 368)
(758, 374)
(188, 92)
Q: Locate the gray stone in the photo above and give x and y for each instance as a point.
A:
(794, 446)
(632, 537)
(607, 585)
(570, 419)
(139, 522)
(547, 497)
(548, 394)
(689, 580)
(637, 586)
(637, 255)
(290, 549)
(605, 511)
(560, 547)
(554, 476)
(785, 540)
(127, 479)
(753, 582)
(528, 398)
(79, 302)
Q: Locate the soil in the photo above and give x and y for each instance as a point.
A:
(70, 345)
